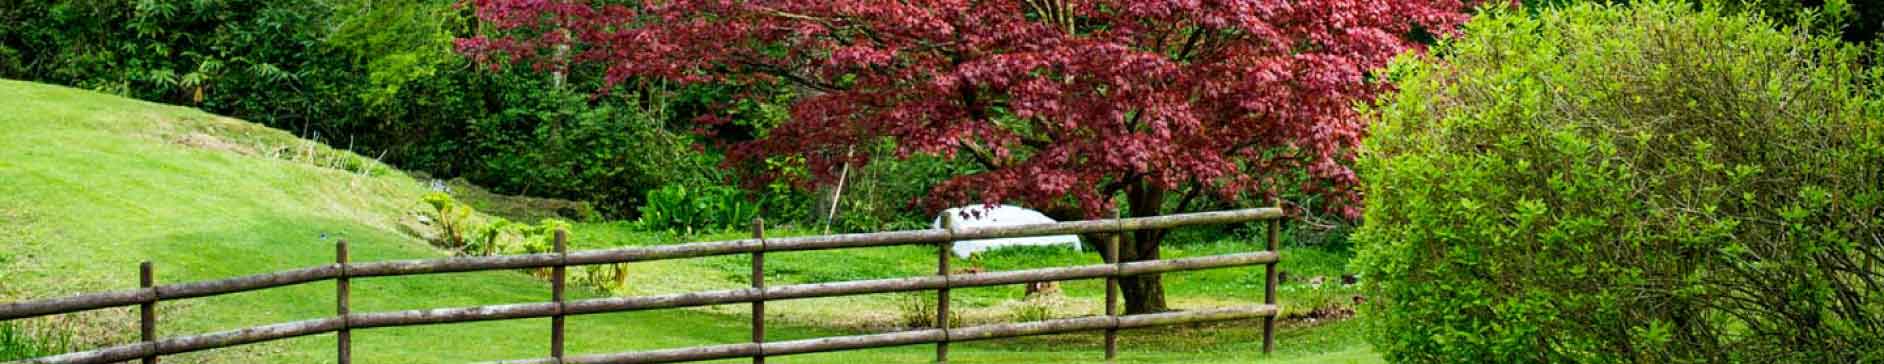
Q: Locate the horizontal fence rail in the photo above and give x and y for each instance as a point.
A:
(960, 334)
(344, 321)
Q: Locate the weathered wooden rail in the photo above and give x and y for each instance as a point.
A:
(152, 347)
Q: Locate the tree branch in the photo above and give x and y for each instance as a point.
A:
(1191, 194)
(781, 72)
(981, 157)
(790, 15)
(1183, 204)
(1190, 42)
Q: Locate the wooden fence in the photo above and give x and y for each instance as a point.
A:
(150, 348)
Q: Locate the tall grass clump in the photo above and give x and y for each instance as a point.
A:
(18, 342)
(1640, 183)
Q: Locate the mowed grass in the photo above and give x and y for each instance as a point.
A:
(92, 184)
(984, 305)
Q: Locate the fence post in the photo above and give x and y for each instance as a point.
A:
(758, 283)
(560, 273)
(1269, 285)
(343, 338)
(1112, 292)
(949, 222)
(147, 324)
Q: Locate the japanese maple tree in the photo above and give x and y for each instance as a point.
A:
(1080, 108)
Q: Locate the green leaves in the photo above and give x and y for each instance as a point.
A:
(1646, 183)
(398, 42)
(466, 231)
(684, 210)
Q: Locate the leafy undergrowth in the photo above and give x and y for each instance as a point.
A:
(92, 184)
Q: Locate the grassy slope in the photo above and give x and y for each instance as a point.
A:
(91, 184)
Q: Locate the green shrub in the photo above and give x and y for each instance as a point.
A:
(684, 210)
(559, 143)
(1626, 184)
(456, 222)
(501, 236)
(465, 231)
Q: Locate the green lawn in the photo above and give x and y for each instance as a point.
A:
(91, 184)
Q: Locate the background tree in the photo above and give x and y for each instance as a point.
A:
(1071, 107)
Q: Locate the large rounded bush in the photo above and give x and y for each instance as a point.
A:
(1626, 184)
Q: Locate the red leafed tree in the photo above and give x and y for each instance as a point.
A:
(1069, 106)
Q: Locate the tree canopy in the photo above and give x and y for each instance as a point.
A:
(1065, 105)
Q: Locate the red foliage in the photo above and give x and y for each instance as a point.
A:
(1067, 103)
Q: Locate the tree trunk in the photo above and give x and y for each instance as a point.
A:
(1145, 293)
